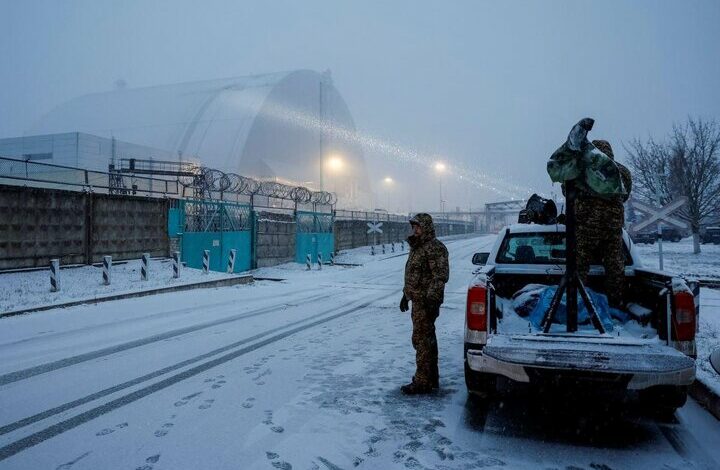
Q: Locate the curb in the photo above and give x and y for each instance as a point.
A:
(246, 279)
(707, 398)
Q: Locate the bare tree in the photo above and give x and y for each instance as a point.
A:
(686, 164)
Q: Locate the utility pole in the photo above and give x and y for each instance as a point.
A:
(322, 131)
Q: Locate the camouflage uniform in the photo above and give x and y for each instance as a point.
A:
(599, 232)
(426, 273)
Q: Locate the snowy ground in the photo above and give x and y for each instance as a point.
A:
(679, 258)
(28, 289)
(300, 374)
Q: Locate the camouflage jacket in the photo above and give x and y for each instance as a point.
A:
(427, 269)
(599, 213)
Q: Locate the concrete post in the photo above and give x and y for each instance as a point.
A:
(231, 261)
(206, 261)
(145, 267)
(54, 275)
(176, 264)
(107, 265)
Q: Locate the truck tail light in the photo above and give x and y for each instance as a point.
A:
(683, 317)
(477, 308)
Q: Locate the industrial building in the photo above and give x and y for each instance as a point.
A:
(290, 126)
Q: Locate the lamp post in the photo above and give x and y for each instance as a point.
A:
(440, 169)
(388, 185)
(335, 165)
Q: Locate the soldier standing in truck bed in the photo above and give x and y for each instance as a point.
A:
(599, 232)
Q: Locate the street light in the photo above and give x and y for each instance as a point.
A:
(388, 184)
(440, 169)
(335, 163)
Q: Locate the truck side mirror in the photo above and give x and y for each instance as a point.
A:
(715, 360)
(480, 259)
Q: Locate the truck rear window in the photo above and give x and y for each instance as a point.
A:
(539, 248)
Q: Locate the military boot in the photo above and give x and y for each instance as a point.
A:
(414, 388)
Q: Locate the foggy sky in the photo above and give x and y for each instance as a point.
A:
(494, 86)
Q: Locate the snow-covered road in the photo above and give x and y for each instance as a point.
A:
(300, 374)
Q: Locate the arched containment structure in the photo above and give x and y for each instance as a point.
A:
(292, 126)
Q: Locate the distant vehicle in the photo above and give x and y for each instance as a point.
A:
(644, 237)
(711, 235)
(670, 234)
(657, 359)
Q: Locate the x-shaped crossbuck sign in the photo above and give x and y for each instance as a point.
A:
(374, 227)
(659, 215)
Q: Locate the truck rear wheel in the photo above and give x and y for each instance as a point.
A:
(663, 400)
(480, 384)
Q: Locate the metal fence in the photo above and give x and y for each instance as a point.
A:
(58, 176)
(342, 214)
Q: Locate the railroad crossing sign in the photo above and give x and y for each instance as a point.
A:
(374, 228)
(659, 215)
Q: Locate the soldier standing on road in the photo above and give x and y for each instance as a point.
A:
(599, 232)
(426, 273)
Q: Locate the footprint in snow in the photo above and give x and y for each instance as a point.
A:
(184, 400)
(207, 404)
(165, 429)
(106, 431)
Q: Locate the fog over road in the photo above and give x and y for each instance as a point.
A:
(300, 374)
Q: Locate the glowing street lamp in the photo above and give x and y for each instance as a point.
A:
(388, 184)
(335, 163)
(440, 169)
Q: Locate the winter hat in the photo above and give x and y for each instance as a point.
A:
(604, 147)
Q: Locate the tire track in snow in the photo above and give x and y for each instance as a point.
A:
(23, 374)
(68, 424)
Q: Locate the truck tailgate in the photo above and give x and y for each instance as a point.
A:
(586, 353)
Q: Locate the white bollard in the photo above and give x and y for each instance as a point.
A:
(392, 247)
(54, 275)
(176, 264)
(319, 261)
(145, 267)
(402, 245)
(231, 261)
(107, 265)
(308, 262)
(332, 258)
(372, 250)
(206, 262)
(383, 248)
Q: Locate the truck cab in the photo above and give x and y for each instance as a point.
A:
(653, 352)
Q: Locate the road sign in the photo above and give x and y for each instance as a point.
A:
(661, 214)
(374, 228)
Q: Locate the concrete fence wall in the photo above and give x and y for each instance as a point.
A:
(353, 233)
(274, 242)
(39, 224)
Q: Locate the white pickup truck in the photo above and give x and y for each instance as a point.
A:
(652, 353)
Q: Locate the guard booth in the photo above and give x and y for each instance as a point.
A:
(314, 235)
(217, 227)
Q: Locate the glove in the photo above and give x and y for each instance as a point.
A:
(404, 305)
(578, 134)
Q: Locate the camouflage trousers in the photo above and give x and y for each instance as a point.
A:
(603, 244)
(425, 344)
